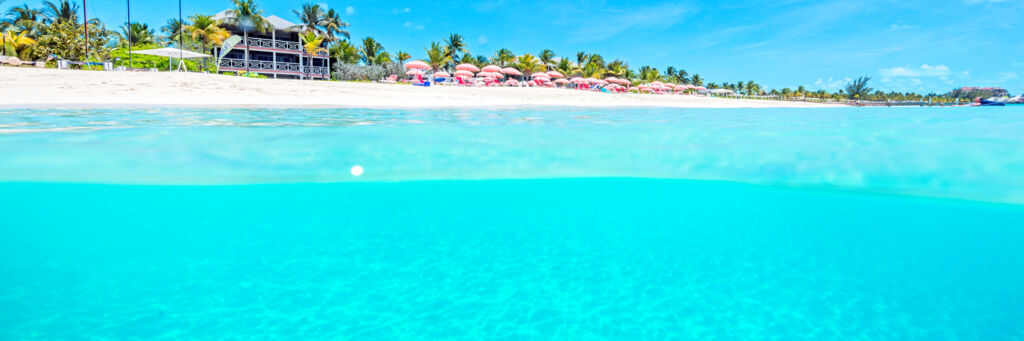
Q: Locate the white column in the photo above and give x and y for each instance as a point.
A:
(273, 42)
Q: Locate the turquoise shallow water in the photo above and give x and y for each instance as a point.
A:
(529, 224)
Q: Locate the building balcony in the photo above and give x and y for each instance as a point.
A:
(271, 67)
(291, 46)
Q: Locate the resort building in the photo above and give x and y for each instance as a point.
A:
(276, 53)
(988, 92)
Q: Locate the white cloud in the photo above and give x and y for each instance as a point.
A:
(899, 27)
(410, 24)
(482, 40)
(975, 2)
(1008, 75)
(616, 21)
(350, 10)
(400, 10)
(923, 71)
(832, 84)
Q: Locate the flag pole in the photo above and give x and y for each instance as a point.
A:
(129, 34)
(181, 39)
(85, 14)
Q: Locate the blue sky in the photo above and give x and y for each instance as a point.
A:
(906, 45)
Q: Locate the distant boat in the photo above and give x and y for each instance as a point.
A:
(991, 103)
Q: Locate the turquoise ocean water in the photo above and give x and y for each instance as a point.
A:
(537, 223)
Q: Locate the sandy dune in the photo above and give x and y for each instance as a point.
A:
(28, 87)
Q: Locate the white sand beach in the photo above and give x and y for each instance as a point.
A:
(51, 88)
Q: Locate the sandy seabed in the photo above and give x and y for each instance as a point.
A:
(51, 88)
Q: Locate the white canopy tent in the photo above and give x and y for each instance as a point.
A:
(170, 52)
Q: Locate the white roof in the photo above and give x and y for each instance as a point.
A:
(275, 21)
(172, 52)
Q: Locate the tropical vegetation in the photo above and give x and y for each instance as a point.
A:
(55, 30)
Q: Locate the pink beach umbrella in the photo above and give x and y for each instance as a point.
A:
(701, 88)
(511, 82)
(417, 64)
(511, 72)
(540, 74)
(414, 72)
(442, 74)
(680, 88)
(634, 89)
(611, 79)
(577, 80)
(467, 67)
(555, 74)
(464, 73)
(491, 68)
(561, 81)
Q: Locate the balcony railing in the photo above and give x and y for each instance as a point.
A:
(279, 44)
(263, 65)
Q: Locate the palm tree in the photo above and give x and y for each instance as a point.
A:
(136, 34)
(344, 52)
(334, 26)
(383, 58)
(26, 19)
(172, 31)
(597, 60)
(402, 56)
(503, 57)
(437, 56)
(467, 58)
(453, 45)
(481, 61)
(697, 80)
(206, 31)
(582, 58)
(312, 42)
(528, 64)
(859, 88)
(17, 45)
(61, 11)
(547, 58)
(752, 88)
(670, 73)
(371, 51)
(683, 77)
(247, 16)
(565, 67)
(617, 68)
(312, 18)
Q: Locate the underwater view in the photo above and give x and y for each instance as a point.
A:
(549, 223)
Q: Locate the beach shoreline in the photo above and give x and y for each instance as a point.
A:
(29, 88)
